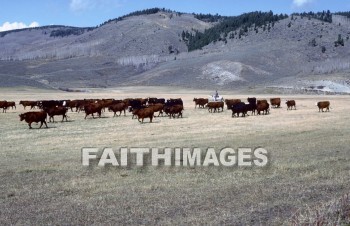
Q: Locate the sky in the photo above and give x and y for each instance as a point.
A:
(15, 14)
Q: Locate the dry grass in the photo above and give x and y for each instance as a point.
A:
(43, 181)
(334, 213)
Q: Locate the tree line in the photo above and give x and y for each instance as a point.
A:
(142, 12)
(325, 16)
(346, 14)
(66, 31)
(197, 40)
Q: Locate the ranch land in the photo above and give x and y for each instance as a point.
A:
(43, 181)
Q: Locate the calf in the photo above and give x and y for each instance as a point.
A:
(291, 104)
(36, 116)
(323, 104)
(51, 112)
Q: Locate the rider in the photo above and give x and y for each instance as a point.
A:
(216, 96)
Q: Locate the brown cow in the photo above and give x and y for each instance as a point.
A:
(323, 104)
(92, 108)
(3, 105)
(127, 101)
(11, 104)
(34, 116)
(71, 104)
(157, 108)
(118, 107)
(275, 102)
(261, 101)
(143, 113)
(230, 102)
(201, 102)
(215, 106)
(57, 111)
(79, 106)
(263, 106)
(291, 104)
(106, 103)
(176, 109)
(27, 103)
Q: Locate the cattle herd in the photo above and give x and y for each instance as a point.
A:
(142, 108)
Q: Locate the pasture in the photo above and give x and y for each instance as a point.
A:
(44, 182)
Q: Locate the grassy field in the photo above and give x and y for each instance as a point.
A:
(44, 182)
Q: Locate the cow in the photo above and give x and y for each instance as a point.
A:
(127, 101)
(323, 104)
(134, 104)
(34, 116)
(251, 106)
(60, 110)
(79, 105)
(238, 108)
(275, 102)
(201, 102)
(261, 101)
(154, 100)
(290, 104)
(92, 108)
(44, 104)
(215, 106)
(3, 105)
(141, 100)
(262, 107)
(172, 102)
(71, 104)
(144, 112)
(11, 104)
(27, 103)
(176, 109)
(230, 102)
(157, 108)
(118, 107)
(106, 103)
(151, 100)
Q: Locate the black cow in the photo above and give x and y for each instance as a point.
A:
(239, 108)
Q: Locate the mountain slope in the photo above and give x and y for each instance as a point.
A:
(293, 53)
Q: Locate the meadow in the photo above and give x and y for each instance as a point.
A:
(43, 180)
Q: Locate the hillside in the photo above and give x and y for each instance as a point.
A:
(295, 54)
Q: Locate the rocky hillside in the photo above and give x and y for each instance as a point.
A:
(294, 54)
